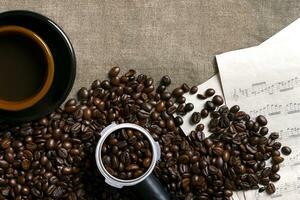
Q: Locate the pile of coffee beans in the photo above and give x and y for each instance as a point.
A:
(235, 155)
(53, 157)
(126, 154)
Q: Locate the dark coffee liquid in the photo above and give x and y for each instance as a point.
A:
(23, 67)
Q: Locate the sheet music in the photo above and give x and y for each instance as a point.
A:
(292, 33)
(265, 80)
(262, 88)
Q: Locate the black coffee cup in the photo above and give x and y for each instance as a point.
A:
(56, 70)
(27, 68)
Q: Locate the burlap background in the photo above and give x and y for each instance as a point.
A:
(157, 37)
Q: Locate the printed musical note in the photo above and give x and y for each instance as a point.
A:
(276, 110)
(261, 88)
(292, 132)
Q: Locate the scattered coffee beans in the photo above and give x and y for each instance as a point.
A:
(126, 154)
(53, 157)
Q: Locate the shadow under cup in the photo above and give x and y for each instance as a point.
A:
(26, 68)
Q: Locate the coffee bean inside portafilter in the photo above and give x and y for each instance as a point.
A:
(126, 154)
(53, 157)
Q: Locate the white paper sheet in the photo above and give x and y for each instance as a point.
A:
(265, 80)
(290, 33)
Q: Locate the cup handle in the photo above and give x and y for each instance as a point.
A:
(151, 189)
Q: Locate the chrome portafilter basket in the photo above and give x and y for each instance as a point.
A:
(146, 186)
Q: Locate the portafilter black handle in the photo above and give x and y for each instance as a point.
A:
(151, 189)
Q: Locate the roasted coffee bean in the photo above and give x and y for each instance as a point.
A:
(4, 164)
(275, 168)
(5, 143)
(209, 92)
(25, 164)
(63, 153)
(261, 120)
(83, 93)
(218, 151)
(96, 84)
(212, 170)
(266, 172)
(66, 170)
(219, 162)
(201, 96)
(217, 100)
(171, 125)
(166, 96)
(171, 110)
(114, 162)
(204, 113)
(277, 159)
(146, 162)
(25, 190)
(189, 107)
(183, 159)
(200, 127)
(210, 106)
(228, 193)
(274, 136)
(286, 150)
(181, 100)
(114, 71)
(51, 144)
(166, 80)
(160, 89)
(234, 109)
(196, 117)
(215, 114)
(263, 131)
(275, 145)
(274, 177)
(226, 155)
(177, 92)
(43, 160)
(208, 142)
(160, 106)
(193, 90)
(270, 189)
(105, 85)
(185, 87)
(180, 109)
(87, 114)
(178, 120)
(9, 157)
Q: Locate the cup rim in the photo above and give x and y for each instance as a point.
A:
(30, 101)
